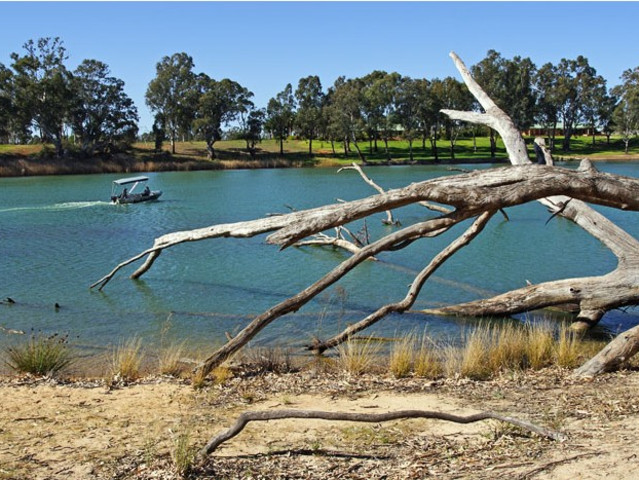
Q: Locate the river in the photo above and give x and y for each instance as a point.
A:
(58, 234)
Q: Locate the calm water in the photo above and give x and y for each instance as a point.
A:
(59, 234)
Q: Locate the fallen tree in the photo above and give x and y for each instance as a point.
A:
(472, 196)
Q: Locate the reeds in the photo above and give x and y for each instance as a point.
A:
(488, 349)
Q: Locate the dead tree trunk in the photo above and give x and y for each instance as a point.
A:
(626, 248)
(474, 195)
(612, 355)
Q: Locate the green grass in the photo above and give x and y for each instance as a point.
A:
(40, 355)
(232, 154)
(465, 149)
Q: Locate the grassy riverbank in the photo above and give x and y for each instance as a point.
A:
(21, 160)
(146, 414)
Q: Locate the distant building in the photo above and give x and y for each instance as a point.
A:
(540, 131)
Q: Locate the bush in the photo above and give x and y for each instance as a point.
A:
(40, 355)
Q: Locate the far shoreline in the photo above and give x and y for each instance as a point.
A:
(29, 166)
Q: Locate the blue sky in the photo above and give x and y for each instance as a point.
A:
(265, 45)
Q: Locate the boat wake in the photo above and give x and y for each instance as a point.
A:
(57, 206)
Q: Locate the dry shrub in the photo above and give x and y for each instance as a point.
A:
(269, 359)
(221, 374)
(198, 379)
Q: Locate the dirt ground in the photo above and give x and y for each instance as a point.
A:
(84, 430)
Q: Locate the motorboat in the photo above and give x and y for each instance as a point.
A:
(121, 193)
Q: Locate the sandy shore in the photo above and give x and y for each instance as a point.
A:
(83, 430)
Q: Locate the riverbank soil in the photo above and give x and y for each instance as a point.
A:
(84, 430)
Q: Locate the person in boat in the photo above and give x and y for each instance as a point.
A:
(125, 193)
(147, 191)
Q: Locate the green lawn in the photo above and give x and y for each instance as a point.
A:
(296, 151)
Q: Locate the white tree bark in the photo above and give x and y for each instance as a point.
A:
(625, 247)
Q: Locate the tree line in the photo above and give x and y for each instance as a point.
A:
(42, 100)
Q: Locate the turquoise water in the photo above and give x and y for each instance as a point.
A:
(59, 234)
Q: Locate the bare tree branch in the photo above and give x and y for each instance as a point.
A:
(408, 301)
(261, 416)
(389, 215)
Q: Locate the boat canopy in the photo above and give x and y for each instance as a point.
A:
(126, 181)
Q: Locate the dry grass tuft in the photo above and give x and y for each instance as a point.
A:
(402, 356)
(221, 374)
(428, 363)
(183, 453)
(358, 355)
(169, 359)
(127, 358)
(475, 354)
(40, 355)
(567, 348)
(507, 348)
(540, 345)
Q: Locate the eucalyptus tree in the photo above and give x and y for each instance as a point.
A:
(252, 125)
(6, 103)
(605, 114)
(42, 89)
(280, 114)
(547, 113)
(626, 113)
(595, 96)
(452, 95)
(372, 110)
(384, 93)
(220, 103)
(173, 94)
(101, 113)
(159, 132)
(436, 95)
(344, 113)
(310, 99)
(407, 104)
(426, 111)
(575, 84)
